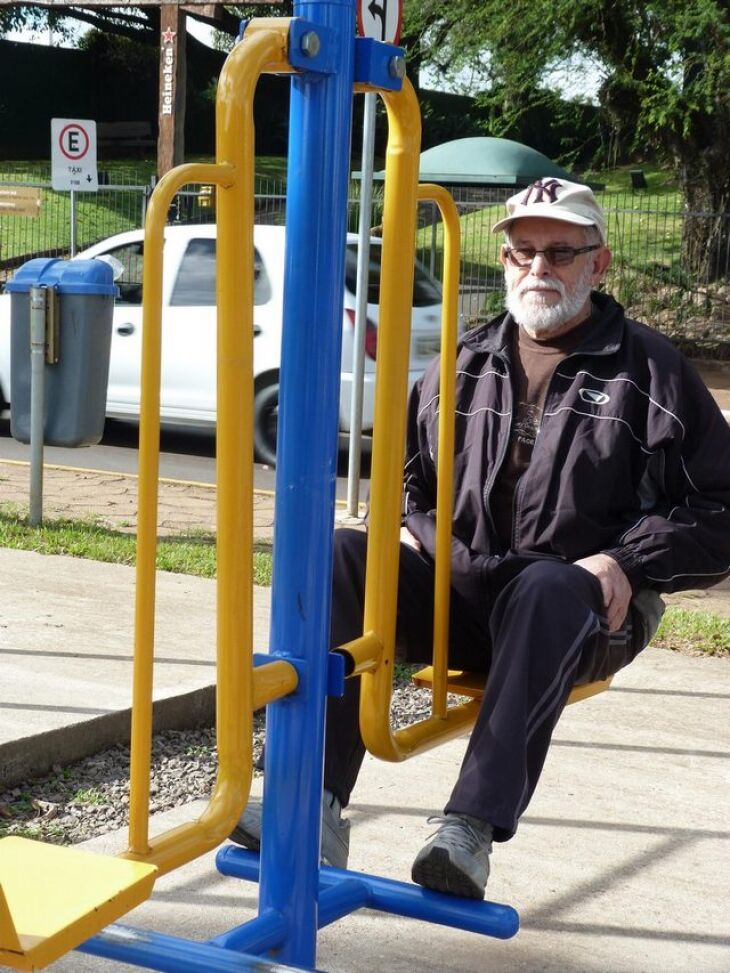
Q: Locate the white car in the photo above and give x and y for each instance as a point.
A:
(188, 392)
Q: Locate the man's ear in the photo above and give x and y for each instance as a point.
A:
(601, 262)
(502, 255)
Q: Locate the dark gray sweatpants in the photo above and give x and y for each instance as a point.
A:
(539, 630)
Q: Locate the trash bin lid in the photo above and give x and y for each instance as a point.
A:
(67, 276)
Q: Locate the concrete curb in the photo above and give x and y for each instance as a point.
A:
(34, 756)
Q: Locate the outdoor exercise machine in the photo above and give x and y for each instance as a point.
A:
(55, 899)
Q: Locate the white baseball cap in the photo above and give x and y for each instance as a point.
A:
(555, 199)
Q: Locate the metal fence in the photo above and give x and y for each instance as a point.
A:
(66, 223)
(646, 234)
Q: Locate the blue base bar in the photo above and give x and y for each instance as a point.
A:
(172, 954)
(341, 899)
(265, 932)
(359, 890)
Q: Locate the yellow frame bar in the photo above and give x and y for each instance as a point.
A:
(396, 290)
(447, 407)
(399, 224)
(264, 48)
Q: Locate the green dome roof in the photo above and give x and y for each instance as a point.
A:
(487, 161)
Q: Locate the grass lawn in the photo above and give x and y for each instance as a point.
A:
(693, 631)
(644, 227)
(640, 223)
(101, 214)
(617, 182)
(192, 554)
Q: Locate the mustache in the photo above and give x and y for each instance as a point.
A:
(541, 284)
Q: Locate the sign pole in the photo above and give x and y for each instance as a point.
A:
(382, 22)
(361, 306)
(73, 222)
(38, 297)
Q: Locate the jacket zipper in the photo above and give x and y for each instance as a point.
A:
(487, 490)
(520, 482)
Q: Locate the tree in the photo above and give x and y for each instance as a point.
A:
(137, 23)
(665, 66)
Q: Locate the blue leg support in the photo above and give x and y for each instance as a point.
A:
(339, 895)
(319, 147)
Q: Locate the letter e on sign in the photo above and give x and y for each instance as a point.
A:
(380, 19)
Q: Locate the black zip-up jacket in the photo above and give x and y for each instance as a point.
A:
(631, 458)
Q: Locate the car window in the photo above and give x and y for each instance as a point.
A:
(426, 290)
(130, 282)
(195, 284)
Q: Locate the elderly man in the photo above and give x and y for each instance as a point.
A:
(592, 472)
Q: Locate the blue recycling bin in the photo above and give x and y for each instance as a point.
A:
(76, 384)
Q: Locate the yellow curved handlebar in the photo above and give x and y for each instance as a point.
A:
(264, 48)
(374, 654)
(444, 723)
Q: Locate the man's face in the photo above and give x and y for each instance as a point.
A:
(548, 301)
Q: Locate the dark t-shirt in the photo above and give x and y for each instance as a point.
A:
(533, 365)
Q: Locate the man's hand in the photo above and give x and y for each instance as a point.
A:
(407, 538)
(614, 585)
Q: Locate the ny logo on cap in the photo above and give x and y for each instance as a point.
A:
(545, 191)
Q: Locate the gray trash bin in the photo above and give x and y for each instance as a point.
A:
(75, 386)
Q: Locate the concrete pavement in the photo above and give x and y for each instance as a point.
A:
(66, 643)
(619, 866)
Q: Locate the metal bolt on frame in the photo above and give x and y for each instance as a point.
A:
(310, 43)
(397, 67)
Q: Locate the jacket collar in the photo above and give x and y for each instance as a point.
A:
(604, 337)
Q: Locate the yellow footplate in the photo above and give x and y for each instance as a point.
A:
(472, 684)
(54, 898)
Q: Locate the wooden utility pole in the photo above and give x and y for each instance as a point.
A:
(173, 72)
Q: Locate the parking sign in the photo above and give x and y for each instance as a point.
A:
(73, 155)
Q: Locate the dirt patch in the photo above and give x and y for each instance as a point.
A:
(714, 600)
(112, 500)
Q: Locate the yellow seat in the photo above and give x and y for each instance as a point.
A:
(472, 684)
(54, 898)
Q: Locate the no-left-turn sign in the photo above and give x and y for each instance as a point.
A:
(73, 155)
(380, 19)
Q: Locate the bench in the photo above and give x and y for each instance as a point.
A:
(124, 135)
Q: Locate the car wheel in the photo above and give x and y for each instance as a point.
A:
(265, 422)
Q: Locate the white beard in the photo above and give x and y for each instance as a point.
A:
(539, 319)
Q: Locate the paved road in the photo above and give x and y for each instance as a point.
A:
(187, 454)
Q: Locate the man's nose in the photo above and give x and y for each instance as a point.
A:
(540, 265)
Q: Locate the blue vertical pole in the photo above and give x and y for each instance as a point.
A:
(319, 150)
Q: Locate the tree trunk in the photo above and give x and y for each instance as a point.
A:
(705, 181)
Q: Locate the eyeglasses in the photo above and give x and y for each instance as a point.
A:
(555, 256)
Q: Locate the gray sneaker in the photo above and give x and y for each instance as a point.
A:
(335, 830)
(456, 860)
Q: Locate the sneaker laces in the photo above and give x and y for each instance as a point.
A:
(460, 833)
